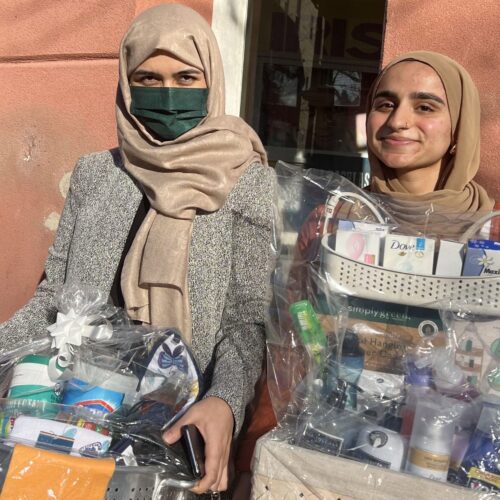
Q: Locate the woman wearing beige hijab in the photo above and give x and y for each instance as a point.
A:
(423, 133)
(177, 221)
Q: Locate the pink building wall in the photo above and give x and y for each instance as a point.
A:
(58, 65)
(58, 62)
(469, 33)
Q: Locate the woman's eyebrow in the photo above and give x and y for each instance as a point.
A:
(146, 72)
(386, 93)
(427, 96)
(189, 71)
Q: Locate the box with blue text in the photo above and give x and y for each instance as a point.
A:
(482, 258)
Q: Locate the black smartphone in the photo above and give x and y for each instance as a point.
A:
(195, 449)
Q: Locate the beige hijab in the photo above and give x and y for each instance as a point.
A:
(192, 173)
(456, 192)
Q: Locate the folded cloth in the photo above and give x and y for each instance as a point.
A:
(38, 474)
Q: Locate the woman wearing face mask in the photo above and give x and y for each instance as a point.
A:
(177, 221)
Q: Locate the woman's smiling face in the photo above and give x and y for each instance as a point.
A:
(409, 124)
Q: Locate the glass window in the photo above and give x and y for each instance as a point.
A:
(311, 65)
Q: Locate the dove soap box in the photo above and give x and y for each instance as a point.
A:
(360, 241)
(482, 258)
(409, 254)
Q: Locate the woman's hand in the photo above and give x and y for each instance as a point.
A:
(214, 419)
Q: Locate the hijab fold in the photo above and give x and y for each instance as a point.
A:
(457, 194)
(195, 172)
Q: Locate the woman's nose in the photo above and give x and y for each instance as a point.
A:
(400, 118)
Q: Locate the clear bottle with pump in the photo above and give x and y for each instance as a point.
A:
(431, 441)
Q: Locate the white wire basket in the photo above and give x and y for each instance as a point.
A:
(147, 483)
(478, 294)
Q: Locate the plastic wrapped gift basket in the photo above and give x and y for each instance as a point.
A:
(379, 350)
(83, 409)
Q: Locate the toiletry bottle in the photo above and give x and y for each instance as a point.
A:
(351, 366)
(331, 429)
(379, 445)
(430, 443)
(309, 329)
(480, 466)
(464, 427)
(418, 379)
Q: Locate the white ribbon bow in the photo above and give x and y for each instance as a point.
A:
(67, 333)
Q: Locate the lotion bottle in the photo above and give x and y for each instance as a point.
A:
(431, 441)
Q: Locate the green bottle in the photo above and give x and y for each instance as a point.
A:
(309, 329)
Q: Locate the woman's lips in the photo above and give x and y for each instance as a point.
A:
(397, 141)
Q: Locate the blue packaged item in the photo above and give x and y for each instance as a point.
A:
(97, 398)
(480, 467)
(482, 258)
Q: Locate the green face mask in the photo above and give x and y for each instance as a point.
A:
(168, 112)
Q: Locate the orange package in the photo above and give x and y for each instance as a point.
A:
(36, 474)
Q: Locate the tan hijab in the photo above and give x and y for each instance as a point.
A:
(456, 192)
(194, 172)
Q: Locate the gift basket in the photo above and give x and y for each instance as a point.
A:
(384, 345)
(83, 410)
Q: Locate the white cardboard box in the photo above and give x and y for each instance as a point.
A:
(450, 259)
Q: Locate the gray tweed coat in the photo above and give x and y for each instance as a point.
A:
(229, 265)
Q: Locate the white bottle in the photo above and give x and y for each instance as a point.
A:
(431, 440)
(380, 446)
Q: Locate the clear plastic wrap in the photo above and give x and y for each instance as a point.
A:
(91, 401)
(366, 335)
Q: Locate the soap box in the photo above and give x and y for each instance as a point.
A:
(450, 259)
(482, 258)
(409, 254)
(361, 241)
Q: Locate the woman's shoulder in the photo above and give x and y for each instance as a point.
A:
(253, 193)
(99, 162)
(102, 168)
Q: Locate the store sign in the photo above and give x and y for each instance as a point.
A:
(346, 38)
